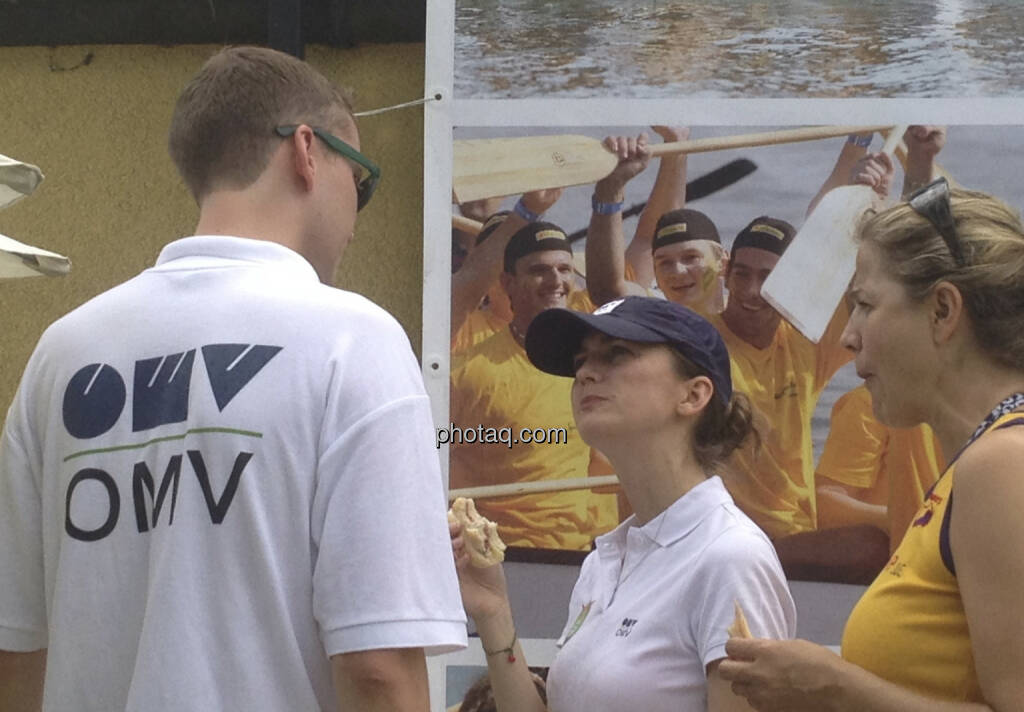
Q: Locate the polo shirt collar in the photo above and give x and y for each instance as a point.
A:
(214, 250)
(682, 516)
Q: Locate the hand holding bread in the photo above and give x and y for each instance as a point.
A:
(480, 534)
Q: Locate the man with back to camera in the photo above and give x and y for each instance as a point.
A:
(218, 488)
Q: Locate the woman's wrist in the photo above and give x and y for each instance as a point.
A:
(495, 629)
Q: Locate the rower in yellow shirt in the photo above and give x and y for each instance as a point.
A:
(494, 385)
(676, 247)
(871, 473)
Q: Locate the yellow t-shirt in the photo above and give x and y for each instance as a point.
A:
(775, 485)
(494, 385)
(910, 626)
(892, 466)
(482, 323)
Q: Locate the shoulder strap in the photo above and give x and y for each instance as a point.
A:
(1018, 420)
(945, 550)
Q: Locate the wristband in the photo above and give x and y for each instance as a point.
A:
(524, 212)
(604, 208)
(861, 141)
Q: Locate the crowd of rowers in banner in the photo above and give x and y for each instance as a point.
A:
(836, 521)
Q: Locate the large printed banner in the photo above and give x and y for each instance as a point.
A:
(531, 84)
(558, 78)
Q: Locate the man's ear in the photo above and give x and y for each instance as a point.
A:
(695, 396)
(303, 160)
(946, 309)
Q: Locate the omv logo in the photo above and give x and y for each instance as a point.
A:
(96, 395)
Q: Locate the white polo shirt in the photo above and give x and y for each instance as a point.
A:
(213, 477)
(653, 604)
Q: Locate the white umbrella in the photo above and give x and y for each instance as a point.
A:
(17, 259)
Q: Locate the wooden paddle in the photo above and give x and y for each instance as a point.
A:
(489, 167)
(812, 275)
(460, 222)
(517, 488)
(705, 185)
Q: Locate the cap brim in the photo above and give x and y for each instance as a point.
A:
(554, 336)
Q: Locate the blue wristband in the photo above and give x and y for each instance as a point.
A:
(604, 208)
(524, 212)
(862, 141)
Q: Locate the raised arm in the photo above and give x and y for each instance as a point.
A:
(485, 598)
(855, 148)
(482, 265)
(605, 254)
(668, 193)
(923, 144)
(478, 210)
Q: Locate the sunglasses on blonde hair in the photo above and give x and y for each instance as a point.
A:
(932, 203)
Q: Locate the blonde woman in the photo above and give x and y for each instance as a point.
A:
(938, 302)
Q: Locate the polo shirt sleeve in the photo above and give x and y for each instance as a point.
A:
(740, 566)
(384, 575)
(23, 625)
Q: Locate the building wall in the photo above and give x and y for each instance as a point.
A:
(112, 198)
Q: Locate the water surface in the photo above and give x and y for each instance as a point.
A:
(738, 48)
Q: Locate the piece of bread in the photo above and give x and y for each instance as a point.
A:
(480, 534)
(739, 627)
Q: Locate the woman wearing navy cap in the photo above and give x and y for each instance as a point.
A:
(649, 616)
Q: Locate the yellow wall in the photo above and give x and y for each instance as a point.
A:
(112, 199)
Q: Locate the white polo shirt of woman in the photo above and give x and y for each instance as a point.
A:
(653, 603)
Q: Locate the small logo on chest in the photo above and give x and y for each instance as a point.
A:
(626, 628)
(895, 566)
(788, 391)
(929, 506)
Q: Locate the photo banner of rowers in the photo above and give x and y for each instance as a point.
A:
(755, 178)
(728, 232)
(532, 165)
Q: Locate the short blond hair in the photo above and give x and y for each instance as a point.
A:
(222, 130)
(991, 280)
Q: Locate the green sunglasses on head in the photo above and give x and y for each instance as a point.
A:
(365, 183)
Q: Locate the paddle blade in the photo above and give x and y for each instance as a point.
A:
(491, 167)
(813, 274)
(721, 177)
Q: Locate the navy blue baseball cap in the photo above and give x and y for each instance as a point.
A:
(555, 335)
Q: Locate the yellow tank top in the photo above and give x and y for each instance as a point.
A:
(910, 626)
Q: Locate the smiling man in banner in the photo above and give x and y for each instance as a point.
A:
(495, 386)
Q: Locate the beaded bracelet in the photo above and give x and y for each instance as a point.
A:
(509, 649)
